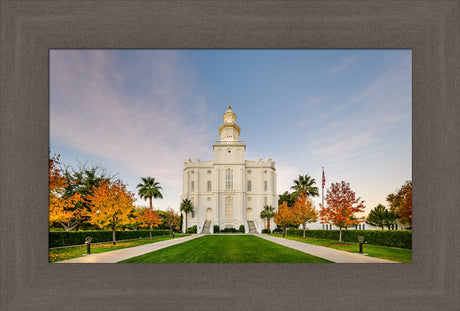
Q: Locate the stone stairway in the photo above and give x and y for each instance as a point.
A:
(252, 227)
(206, 227)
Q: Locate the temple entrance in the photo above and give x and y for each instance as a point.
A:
(249, 214)
(209, 214)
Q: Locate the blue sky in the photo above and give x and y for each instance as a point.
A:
(144, 112)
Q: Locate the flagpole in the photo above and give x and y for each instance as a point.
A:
(322, 191)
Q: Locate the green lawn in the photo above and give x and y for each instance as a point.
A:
(226, 249)
(390, 253)
(58, 254)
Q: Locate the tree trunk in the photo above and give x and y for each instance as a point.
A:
(113, 234)
(70, 226)
(303, 230)
(185, 223)
(268, 223)
(340, 236)
(150, 199)
(150, 231)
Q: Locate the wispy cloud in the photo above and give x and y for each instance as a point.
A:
(341, 67)
(361, 122)
(314, 100)
(94, 111)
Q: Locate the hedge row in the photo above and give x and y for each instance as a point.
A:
(228, 230)
(391, 238)
(67, 238)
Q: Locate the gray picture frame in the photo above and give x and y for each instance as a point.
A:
(30, 28)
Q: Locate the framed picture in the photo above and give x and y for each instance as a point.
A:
(31, 29)
(141, 115)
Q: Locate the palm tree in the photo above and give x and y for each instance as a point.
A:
(305, 184)
(149, 189)
(268, 213)
(187, 207)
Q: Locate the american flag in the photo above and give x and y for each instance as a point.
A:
(324, 178)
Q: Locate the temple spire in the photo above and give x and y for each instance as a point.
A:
(229, 131)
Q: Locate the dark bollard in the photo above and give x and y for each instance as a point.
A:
(361, 240)
(88, 245)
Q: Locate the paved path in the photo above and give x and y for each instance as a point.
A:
(125, 253)
(315, 250)
(325, 252)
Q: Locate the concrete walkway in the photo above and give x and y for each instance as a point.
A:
(315, 250)
(324, 252)
(125, 253)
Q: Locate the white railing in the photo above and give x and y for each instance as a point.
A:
(211, 228)
(257, 227)
(246, 227)
(220, 142)
(199, 229)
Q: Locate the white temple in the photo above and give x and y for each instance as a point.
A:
(229, 191)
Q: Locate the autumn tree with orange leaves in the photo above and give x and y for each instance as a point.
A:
(341, 207)
(285, 217)
(401, 203)
(304, 211)
(171, 220)
(148, 218)
(111, 205)
(63, 208)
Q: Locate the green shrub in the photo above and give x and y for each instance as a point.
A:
(216, 229)
(192, 229)
(391, 238)
(266, 231)
(278, 230)
(241, 229)
(229, 230)
(67, 238)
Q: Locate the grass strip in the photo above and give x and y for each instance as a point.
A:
(390, 253)
(60, 254)
(226, 249)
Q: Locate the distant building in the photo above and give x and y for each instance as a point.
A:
(229, 191)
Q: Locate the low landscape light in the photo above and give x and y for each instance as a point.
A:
(88, 245)
(361, 241)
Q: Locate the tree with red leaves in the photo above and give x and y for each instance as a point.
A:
(172, 220)
(341, 207)
(401, 203)
(148, 218)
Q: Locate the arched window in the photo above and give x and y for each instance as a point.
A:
(209, 185)
(229, 179)
(249, 185)
(229, 207)
(192, 186)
